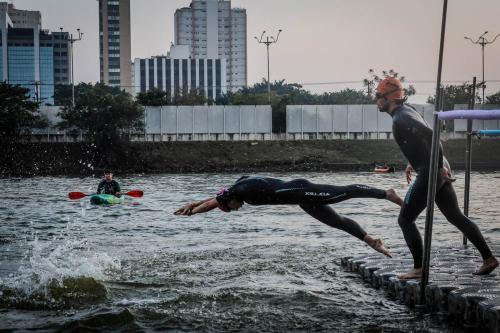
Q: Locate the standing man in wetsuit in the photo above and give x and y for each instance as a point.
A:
(414, 138)
(108, 185)
(314, 199)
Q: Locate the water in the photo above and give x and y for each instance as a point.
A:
(68, 266)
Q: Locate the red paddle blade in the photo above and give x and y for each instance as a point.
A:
(76, 195)
(135, 193)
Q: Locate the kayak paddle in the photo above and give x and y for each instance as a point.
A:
(79, 195)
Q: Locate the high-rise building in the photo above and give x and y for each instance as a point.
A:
(114, 43)
(179, 74)
(213, 29)
(26, 52)
(62, 58)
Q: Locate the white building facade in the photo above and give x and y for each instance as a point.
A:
(214, 30)
(179, 76)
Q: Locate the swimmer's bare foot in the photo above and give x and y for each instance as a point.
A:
(414, 274)
(487, 267)
(377, 245)
(392, 196)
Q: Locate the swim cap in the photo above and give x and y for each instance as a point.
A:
(391, 89)
(223, 198)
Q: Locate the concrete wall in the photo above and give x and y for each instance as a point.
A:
(203, 123)
(246, 122)
(305, 122)
(235, 156)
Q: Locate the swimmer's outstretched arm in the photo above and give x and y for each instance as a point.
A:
(197, 207)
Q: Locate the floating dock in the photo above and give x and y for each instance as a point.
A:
(453, 293)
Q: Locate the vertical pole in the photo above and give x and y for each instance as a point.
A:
(484, 83)
(268, 73)
(468, 156)
(431, 192)
(72, 78)
(431, 195)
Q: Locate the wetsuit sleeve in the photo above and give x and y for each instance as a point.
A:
(117, 187)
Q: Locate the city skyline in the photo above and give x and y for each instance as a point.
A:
(334, 42)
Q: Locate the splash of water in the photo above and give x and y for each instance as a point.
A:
(52, 262)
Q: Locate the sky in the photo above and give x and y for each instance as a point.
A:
(324, 43)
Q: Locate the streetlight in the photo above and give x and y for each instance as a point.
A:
(72, 40)
(483, 42)
(268, 41)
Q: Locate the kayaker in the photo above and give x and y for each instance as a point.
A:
(108, 185)
(314, 199)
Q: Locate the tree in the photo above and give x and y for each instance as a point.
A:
(190, 98)
(154, 97)
(104, 114)
(493, 99)
(18, 113)
(283, 94)
(374, 79)
(454, 94)
(346, 96)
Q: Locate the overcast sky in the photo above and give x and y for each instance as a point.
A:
(323, 41)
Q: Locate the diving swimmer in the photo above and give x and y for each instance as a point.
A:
(314, 199)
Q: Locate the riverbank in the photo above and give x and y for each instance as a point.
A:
(43, 159)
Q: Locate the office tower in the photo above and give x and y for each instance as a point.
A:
(212, 29)
(26, 52)
(178, 73)
(62, 58)
(114, 43)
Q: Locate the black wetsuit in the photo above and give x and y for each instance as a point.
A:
(106, 187)
(312, 198)
(414, 137)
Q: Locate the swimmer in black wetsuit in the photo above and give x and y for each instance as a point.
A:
(414, 138)
(312, 198)
(108, 185)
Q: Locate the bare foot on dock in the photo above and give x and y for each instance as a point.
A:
(414, 274)
(392, 196)
(487, 267)
(377, 245)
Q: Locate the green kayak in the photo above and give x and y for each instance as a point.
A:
(106, 199)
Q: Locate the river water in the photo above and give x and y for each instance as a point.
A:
(68, 266)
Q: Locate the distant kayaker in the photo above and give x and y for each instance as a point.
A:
(314, 199)
(108, 185)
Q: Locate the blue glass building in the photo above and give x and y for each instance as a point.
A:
(26, 53)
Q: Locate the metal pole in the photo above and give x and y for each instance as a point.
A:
(268, 74)
(468, 156)
(431, 193)
(72, 40)
(484, 83)
(483, 42)
(72, 74)
(268, 41)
